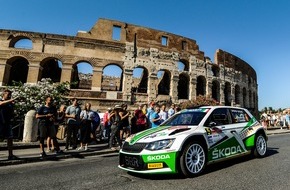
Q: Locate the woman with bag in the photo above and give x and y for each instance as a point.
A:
(60, 122)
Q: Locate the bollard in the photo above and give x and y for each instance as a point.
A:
(30, 127)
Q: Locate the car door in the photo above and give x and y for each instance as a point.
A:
(223, 135)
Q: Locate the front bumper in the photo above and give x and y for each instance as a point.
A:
(148, 162)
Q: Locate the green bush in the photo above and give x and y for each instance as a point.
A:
(32, 96)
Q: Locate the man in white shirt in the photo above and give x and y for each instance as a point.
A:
(163, 113)
(171, 111)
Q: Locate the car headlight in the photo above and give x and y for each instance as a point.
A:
(159, 145)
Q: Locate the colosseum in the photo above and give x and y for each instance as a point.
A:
(173, 69)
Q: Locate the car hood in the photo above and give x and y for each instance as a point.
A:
(159, 133)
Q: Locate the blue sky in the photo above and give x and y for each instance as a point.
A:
(257, 31)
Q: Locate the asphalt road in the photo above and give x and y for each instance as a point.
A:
(101, 172)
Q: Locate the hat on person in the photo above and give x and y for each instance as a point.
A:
(109, 109)
(117, 107)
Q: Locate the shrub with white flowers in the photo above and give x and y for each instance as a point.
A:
(32, 96)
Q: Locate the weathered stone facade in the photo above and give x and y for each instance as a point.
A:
(229, 80)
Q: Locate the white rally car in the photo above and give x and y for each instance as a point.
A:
(193, 139)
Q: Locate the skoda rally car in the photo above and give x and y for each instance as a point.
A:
(192, 139)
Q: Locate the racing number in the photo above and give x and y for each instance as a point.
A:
(208, 130)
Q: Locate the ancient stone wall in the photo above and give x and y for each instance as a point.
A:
(228, 79)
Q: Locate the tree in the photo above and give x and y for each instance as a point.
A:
(200, 101)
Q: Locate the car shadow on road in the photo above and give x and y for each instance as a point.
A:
(209, 169)
(229, 163)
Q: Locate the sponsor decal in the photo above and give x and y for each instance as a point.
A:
(224, 152)
(208, 131)
(168, 160)
(250, 130)
(156, 135)
(158, 157)
(212, 130)
(197, 110)
(145, 133)
(178, 127)
(155, 165)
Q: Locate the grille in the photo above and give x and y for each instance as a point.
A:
(133, 162)
(135, 148)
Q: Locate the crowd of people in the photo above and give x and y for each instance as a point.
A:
(81, 123)
(120, 123)
(280, 119)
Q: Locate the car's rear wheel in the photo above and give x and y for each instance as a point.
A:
(260, 146)
(193, 159)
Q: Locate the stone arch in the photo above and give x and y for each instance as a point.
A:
(82, 73)
(183, 65)
(244, 97)
(254, 99)
(249, 81)
(50, 68)
(16, 70)
(140, 79)
(112, 77)
(227, 93)
(201, 86)
(250, 99)
(215, 70)
(183, 86)
(237, 94)
(215, 90)
(164, 80)
(21, 42)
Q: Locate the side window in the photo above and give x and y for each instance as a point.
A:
(239, 116)
(219, 116)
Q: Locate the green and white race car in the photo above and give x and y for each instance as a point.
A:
(193, 139)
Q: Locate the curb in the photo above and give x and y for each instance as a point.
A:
(56, 157)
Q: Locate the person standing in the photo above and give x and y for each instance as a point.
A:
(72, 114)
(86, 116)
(115, 122)
(287, 120)
(155, 119)
(59, 122)
(46, 116)
(163, 113)
(6, 114)
(140, 120)
(171, 110)
(107, 123)
(124, 124)
(150, 111)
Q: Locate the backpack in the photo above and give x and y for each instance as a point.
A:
(97, 119)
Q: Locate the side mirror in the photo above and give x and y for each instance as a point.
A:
(212, 124)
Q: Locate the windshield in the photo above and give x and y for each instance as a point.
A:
(186, 118)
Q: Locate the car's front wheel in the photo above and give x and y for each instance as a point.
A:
(193, 159)
(260, 146)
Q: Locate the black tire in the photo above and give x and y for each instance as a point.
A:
(193, 159)
(260, 148)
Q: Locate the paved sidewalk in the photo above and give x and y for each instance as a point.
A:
(29, 152)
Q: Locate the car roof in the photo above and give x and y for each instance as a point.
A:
(207, 107)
